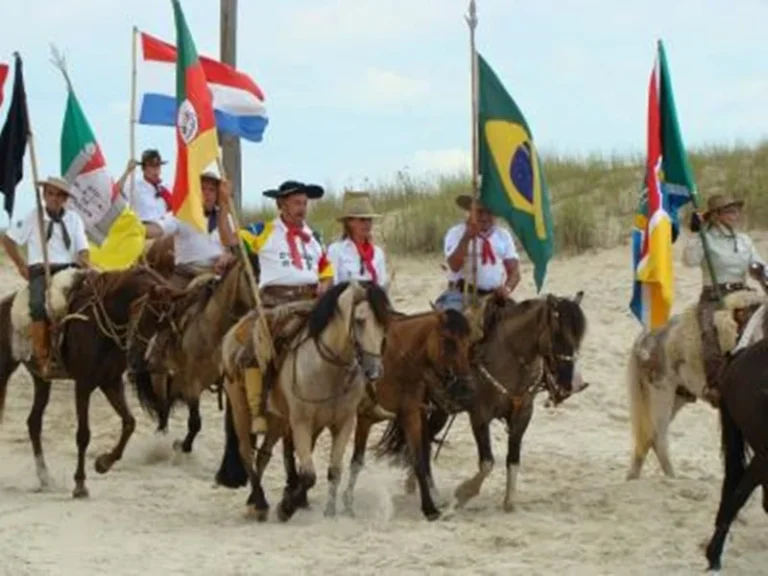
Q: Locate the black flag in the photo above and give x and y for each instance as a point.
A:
(13, 140)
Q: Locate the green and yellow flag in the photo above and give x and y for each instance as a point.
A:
(513, 185)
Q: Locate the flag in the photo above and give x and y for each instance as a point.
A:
(238, 101)
(196, 140)
(115, 233)
(513, 185)
(3, 76)
(668, 186)
(13, 140)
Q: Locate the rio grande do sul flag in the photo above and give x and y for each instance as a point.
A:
(196, 140)
(115, 233)
(668, 186)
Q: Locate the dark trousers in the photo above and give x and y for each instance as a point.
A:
(37, 310)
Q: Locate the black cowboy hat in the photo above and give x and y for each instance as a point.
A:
(313, 191)
(152, 156)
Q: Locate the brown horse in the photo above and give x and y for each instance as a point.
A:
(103, 309)
(191, 362)
(427, 355)
(160, 256)
(526, 348)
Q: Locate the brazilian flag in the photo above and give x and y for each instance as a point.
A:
(513, 185)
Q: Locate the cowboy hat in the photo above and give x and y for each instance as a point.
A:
(356, 205)
(151, 156)
(464, 201)
(210, 175)
(718, 202)
(57, 183)
(289, 187)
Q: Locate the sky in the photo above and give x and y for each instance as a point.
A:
(357, 90)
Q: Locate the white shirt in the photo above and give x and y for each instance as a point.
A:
(25, 232)
(275, 257)
(347, 264)
(490, 275)
(148, 206)
(731, 255)
(192, 246)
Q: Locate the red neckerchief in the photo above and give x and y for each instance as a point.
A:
(292, 233)
(488, 257)
(366, 250)
(161, 192)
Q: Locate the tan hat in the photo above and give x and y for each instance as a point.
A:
(57, 183)
(210, 175)
(357, 205)
(464, 201)
(718, 202)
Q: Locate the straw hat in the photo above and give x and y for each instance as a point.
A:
(719, 202)
(464, 201)
(57, 183)
(356, 205)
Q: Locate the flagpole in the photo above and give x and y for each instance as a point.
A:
(132, 116)
(471, 19)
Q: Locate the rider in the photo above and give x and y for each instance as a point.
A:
(732, 254)
(67, 246)
(151, 199)
(498, 266)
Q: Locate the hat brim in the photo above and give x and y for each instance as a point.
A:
(464, 201)
(312, 191)
(43, 183)
(345, 216)
(738, 203)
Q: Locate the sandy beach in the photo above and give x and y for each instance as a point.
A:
(158, 512)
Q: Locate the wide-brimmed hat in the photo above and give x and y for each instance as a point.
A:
(464, 201)
(57, 183)
(289, 187)
(356, 205)
(152, 156)
(718, 202)
(210, 175)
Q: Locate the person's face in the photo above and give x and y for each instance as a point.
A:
(485, 219)
(54, 198)
(151, 171)
(210, 193)
(730, 216)
(360, 228)
(294, 207)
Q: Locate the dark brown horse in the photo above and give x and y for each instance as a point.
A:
(101, 312)
(526, 348)
(744, 423)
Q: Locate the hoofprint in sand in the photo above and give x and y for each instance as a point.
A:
(158, 512)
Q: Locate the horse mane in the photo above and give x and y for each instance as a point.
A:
(571, 316)
(379, 302)
(325, 309)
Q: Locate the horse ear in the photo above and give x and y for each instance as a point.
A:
(579, 296)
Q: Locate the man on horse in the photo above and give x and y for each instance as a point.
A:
(67, 246)
(732, 255)
(497, 261)
(151, 199)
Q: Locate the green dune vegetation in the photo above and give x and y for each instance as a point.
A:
(593, 200)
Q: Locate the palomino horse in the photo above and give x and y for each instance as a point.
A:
(101, 311)
(318, 385)
(743, 407)
(192, 356)
(427, 355)
(525, 348)
(666, 371)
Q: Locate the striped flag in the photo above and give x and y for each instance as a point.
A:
(3, 76)
(668, 186)
(238, 101)
(196, 140)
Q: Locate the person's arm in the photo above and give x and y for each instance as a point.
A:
(693, 253)
(456, 246)
(14, 254)
(511, 261)
(223, 218)
(82, 258)
(121, 181)
(382, 271)
(18, 234)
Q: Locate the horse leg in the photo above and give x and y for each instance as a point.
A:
(426, 442)
(517, 424)
(663, 402)
(116, 396)
(83, 392)
(292, 474)
(362, 431)
(339, 439)
(194, 424)
(730, 506)
(35, 429)
(471, 488)
(302, 441)
(412, 426)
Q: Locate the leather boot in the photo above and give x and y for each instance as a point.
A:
(254, 390)
(41, 345)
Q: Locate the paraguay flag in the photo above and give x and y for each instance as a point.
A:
(238, 101)
(668, 186)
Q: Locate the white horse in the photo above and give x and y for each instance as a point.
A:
(318, 385)
(666, 371)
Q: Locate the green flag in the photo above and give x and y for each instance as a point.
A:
(513, 185)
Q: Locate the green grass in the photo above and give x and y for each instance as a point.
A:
(593, 200)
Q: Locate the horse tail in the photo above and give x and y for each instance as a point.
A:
(732, 444)
(392, 442)
(149, 399)
(640, 408)
(232, 472)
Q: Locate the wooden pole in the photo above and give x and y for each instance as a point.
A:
(231, 144)
(132, 117)
(471, 19)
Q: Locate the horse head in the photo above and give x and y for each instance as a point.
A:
(369, 327)
(448, 350)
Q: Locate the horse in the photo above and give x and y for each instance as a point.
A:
(317, 384)
(525, 348)
(666, 371)
(100, 312)
(160, 256)
(427, 354)
(191, 361)
(743, 408)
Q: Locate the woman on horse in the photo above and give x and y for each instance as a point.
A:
(355, 257)
(733, 255)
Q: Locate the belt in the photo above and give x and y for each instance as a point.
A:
(459, 285)
(281, 291)
(724, 288)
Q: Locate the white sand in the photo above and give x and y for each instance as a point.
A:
(158, 513)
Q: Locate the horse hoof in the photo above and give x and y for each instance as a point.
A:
(80, 493)
(103, 464)
(284, 511)
(432, 515)
(178, 446)
(253, 513)
(509, 506)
